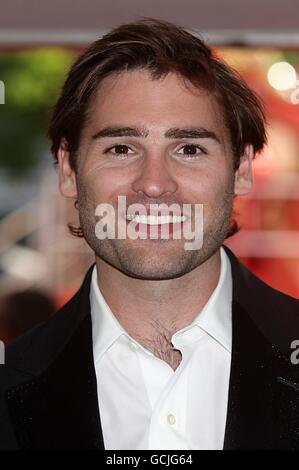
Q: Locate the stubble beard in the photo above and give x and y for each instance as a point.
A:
(143, 259)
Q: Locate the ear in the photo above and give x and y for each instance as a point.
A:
(244, 174)
(67, 176)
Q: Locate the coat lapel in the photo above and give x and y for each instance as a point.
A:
(262, 411)
(263, 404)
(58, 408)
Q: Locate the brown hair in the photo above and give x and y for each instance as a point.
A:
(159, 47)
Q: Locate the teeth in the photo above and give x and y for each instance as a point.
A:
(156, 220)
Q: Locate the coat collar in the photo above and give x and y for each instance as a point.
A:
(58, 407)
(262, 406)
(274, 313)
(263, 401)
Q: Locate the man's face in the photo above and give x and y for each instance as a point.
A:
(181, 168)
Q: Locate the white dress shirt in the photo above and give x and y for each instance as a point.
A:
(144, 403)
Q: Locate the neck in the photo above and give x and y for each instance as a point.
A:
(144, 307)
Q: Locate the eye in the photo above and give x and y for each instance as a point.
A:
(121, 150)
(192, 150)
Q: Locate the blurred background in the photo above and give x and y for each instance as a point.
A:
(38, 42)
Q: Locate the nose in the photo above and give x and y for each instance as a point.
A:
(154, 178)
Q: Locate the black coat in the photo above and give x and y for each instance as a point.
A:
(48, 389)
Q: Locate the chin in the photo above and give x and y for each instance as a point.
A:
(153, 275)
(156, 269)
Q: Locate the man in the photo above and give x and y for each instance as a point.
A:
(163, 347)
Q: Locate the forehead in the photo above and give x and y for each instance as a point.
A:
(133, 97)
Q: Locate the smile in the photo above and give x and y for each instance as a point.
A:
(156, 220)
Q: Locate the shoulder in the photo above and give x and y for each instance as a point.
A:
(39, 347)
(274, 313)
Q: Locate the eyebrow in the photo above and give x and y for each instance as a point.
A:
(173, 133)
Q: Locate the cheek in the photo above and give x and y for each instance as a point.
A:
(208, 187)
(103, 185)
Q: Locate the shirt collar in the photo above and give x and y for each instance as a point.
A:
(105, 327)
(214, 318)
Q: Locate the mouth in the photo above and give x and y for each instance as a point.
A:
(156, 219)
(157, 227)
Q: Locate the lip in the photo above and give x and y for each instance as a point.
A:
(160, 214)
(156, 213)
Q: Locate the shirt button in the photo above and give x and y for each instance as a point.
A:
(132, 346)
(171, 419)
